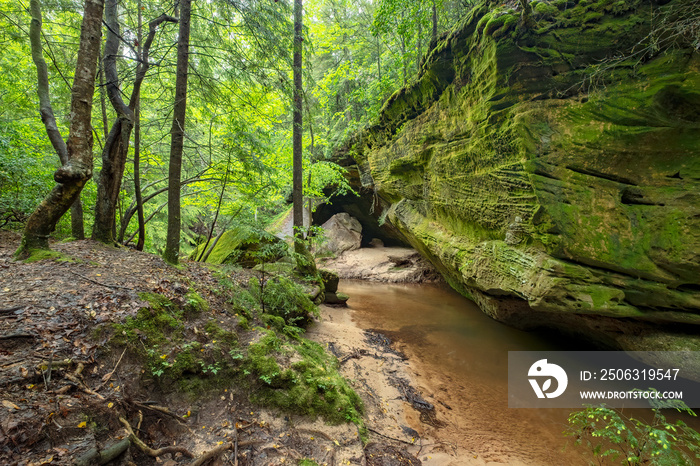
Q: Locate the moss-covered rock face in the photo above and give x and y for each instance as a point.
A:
(242, 246)
(544, 176)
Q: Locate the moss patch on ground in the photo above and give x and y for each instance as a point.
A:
(257, 349)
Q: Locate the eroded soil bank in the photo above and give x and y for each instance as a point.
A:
(67, 389)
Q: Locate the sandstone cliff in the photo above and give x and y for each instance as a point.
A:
(552, 171)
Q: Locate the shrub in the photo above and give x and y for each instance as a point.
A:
(610, 435)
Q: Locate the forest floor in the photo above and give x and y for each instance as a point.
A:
(69, 388)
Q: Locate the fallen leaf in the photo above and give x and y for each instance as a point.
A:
(9, 404)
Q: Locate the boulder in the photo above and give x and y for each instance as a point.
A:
(330, 280)
(336, 298)
(376, 243)
(343, 233)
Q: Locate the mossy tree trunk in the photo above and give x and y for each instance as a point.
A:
(72, 176)
(297, 130)
(46, 110)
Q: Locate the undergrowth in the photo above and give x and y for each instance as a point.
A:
(184, 345)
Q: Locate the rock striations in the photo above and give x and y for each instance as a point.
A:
(551, 171)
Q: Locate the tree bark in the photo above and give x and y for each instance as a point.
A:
(433, 39)
(137, 144)
(72, 176)
(117, 142)
(297, 129)
(172, 243)
(419, 46)
(46, 110)
(305, 261)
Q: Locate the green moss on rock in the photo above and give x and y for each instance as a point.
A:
(536, 167)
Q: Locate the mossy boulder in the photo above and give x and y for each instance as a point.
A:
(244, 247)
(547, 175)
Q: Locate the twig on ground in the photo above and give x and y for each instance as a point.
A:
(390, 438)
(16, 335)
(235, 444)
(100, 283)
(82, 386)
(108, 376)
(159, 409)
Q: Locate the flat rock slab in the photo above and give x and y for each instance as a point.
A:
(393, 265)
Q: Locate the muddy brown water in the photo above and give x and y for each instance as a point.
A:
(460, 356)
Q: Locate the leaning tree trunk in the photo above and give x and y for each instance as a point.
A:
(72, 176)
(172, 242)
(117, 142)
(46, 111)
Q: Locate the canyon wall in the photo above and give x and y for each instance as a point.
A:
(551, 170)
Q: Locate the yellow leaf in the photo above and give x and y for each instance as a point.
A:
(9, 404)
(82, 425)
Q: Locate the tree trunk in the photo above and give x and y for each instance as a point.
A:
(433, 39)
(404, 60)
(46, 111)
(419, 46)
(172, 245)
(379, 60)
(72, 176)
(77, 223)
(304, 259)
(297, 129)
(137, 146)
(117, 142)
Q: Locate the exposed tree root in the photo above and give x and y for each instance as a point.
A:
(150, 451)
(207, 455)
(95, 456)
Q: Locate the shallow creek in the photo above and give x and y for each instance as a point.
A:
(460, 356)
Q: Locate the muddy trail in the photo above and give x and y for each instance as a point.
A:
(111, 356)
